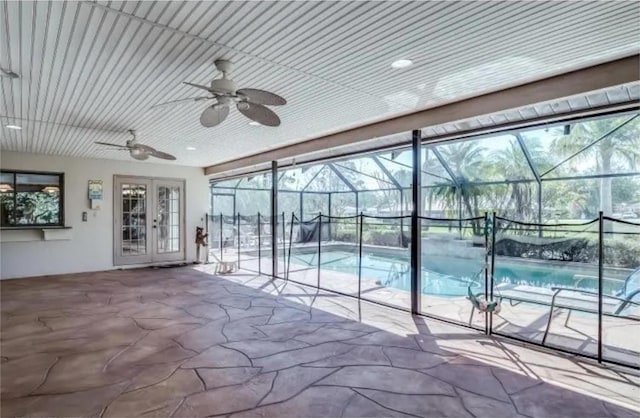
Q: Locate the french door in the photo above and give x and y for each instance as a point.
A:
(148, 220)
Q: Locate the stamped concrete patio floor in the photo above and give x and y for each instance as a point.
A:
(183, 342)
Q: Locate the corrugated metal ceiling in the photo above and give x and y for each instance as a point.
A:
(91, 71)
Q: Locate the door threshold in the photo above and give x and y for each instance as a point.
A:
(160, 264)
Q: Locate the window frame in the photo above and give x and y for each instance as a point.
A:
(61, 217)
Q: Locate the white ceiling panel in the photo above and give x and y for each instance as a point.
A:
(90, 71)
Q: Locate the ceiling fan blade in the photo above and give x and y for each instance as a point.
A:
(163, 155)
(263, 97)
(259, 113)
(111, 145)
(150, 151)
(200, 86)
(189, 99)
(214, 115)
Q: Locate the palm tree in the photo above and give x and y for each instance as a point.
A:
(513, 166)
(465, 161)
(613, 142)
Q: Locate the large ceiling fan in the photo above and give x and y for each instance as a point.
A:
(250, 102)
(139, 151)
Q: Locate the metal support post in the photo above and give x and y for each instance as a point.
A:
(329, 235)
(238, 240)
(486, 268)
(319, 244)
(360, 256)
(259, 245)
(358, 203)
(540, 209)
(274, 218)
(221, 238)
(416, 251)
(493, 267)
(301, 206)
(284, 237)
(600, 276)
(290, 242)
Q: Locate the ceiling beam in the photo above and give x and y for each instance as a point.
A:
(609, 74)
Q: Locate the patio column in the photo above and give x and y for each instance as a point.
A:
(274, 219)
(416, 261)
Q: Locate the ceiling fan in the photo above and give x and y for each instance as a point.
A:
(250, 102)
(139, 151)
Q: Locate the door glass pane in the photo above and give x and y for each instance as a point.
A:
(134, 218)
(168, 219)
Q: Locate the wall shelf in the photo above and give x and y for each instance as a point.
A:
(34, 233)
(27, 228)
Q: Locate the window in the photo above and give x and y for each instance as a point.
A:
(31, 199)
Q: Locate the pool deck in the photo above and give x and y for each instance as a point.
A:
(524, 321)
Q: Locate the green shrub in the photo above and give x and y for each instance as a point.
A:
(622, 252)
(389, 239)
(345, 236)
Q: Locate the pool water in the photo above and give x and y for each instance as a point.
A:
(447, 276)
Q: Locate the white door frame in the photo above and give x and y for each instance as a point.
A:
(151, 255)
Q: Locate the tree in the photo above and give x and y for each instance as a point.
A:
(35, 207)
(392, 195)
(464, 159)
(613, 142)
(472, 164)
(513, 166)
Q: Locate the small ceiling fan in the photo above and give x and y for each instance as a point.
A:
(250, 102)
(139, 151)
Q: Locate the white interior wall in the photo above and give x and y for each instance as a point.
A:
(88, 245)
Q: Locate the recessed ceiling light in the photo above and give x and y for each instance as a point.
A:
(403, 63)
(191, 148)
(16, 127)
(255, 124)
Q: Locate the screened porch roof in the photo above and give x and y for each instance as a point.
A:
(549, 152)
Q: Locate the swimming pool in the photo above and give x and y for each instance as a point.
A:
(448, 275)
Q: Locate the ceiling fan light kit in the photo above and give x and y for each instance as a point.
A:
(138, 154)
(252, 103)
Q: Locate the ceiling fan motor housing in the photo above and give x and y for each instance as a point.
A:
(224, 66)
(224, 85)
